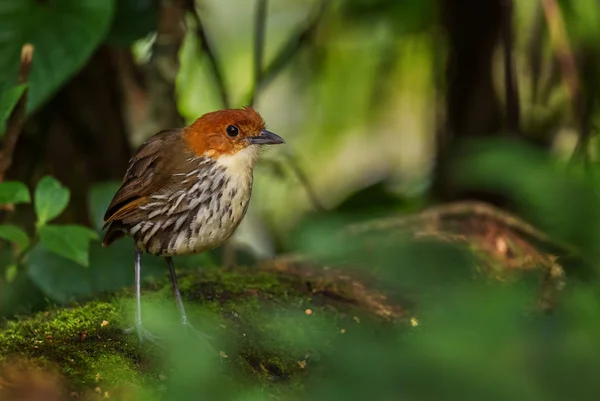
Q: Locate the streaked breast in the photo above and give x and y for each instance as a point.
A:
(205, 212)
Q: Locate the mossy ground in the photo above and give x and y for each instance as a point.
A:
(248, 312)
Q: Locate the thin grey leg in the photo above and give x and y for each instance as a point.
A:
(142, 333)
(138, 292)
(177, 295)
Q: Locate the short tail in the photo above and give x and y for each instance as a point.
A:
(115, 231)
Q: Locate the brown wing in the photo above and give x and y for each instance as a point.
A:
(149, 170)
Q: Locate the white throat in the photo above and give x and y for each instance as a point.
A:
(242, 162)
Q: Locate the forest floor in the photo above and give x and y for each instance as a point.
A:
(83, 350)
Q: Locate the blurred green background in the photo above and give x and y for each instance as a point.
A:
(387, 107)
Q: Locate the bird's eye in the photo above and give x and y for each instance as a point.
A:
(232, 130)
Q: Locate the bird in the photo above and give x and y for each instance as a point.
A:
(186, 191)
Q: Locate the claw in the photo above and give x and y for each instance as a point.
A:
(145, 335)
(194, 330)
(188, 326)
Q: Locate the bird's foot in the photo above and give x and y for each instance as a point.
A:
(191, 329)
(144, 335)
(194, 330)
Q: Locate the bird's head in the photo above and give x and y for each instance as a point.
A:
(230, 133)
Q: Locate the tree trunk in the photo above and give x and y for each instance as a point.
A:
(472, 108)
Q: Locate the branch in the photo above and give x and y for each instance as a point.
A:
(262, 78)
(259, 47)
(534, 52)
(585, 134)
(560, 43)
(291, 161)
(285, 55)
(304, 181)
(296, 42)
(566, 61)
(16, 120)
(206, 47)
(164, 66)
(510, 81)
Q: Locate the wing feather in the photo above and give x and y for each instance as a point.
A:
(149, 170)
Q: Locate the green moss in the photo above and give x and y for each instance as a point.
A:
(251, 311)
(85, 342)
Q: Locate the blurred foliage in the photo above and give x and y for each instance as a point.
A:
(541, 188)
(13, 192)
(68, 241)
(9, 96)
(406, 17)
(475, 338)
(133, 19)
(362, 74)
(64, 33)
(582, 20)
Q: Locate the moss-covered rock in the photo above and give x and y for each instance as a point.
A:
(247, 312)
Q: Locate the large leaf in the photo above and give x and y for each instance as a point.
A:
(133, 20)
(64, 33)
(22, 295)
(14, 234)
(99, 198)
(69, 241)
(60, 279)
(8, 100)
(51, 198)
(111, 268)
(14, 192)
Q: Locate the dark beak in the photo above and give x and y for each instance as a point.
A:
(266, 138)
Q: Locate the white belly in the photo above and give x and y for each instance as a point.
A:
(217, 223)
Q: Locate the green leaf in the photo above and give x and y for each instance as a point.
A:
(8, 100)
(69, 241)
(582, 20)
(408, 16)
(64, 33)
(14, 192)
(133, 20)
(111, 268)
(10, 273)
(99, 198)
(60, 279)
(14, 234)
(51, 198)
